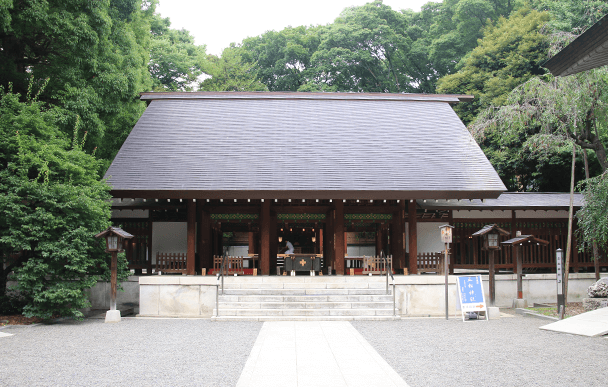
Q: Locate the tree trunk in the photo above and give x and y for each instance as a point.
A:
(596, 254)
(569, 241)
(3, 281)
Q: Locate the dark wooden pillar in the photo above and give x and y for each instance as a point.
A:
(319, 241)
(413, 238)
(191, 238)
(519, 266)
(265, 237)
(274, 242)
(461, 241)
(205, 238)
(513, 233)
(252, 237)
(398, 237)
(339, 237)
(492, 277)
(328, 245)
(149, 246)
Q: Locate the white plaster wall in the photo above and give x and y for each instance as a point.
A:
(359, 251)
(423, 295)
(429, 237)
(237, 251)
(99, 295)
(130, 214)
(169, 237)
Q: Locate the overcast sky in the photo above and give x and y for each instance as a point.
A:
(217, 23)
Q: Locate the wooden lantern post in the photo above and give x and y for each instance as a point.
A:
(115, 238)
(491, 236)
(446, 238)
(517, 243)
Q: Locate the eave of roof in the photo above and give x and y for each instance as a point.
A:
(588, 51)
(509, 201)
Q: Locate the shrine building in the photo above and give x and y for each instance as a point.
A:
(341, 175)
(262, 177)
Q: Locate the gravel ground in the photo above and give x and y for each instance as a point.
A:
(511, 351)
(135, 352)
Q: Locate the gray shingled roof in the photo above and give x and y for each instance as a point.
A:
(300, 145)
(588, 51)
(510, 201)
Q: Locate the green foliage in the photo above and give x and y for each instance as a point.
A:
(230, 73)
(282, 58)
(456, 27)
(175, 61)
(363, 50)
(573, 16)
(95, 54)
(509, 54)
(537, 122)
(593, 216)
(11, 303)
(53, 202)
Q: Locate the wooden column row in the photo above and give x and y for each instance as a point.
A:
(339, 249)
(332, 242)
(413, 237)
(398, 237)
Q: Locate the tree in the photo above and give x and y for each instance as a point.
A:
(563, 108)
(458, 25)
(95, 55)
(53, 203)
(593, 216)
(363, 50)
(175, 61)
(282, 58)
(230, 73)
(510, 53)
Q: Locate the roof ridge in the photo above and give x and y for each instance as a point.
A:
(281, 95)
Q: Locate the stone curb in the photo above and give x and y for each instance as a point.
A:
(529, 313)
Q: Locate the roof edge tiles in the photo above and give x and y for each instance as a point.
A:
(587, 51)
(509, 201)
(449, 98)
(306, 194)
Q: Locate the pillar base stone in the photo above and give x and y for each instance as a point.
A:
(113, 316)
(520, 303)
(493, 313)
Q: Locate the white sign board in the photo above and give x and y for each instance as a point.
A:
(470, 295)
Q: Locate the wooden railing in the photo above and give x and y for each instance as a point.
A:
(430, 263)
(376, 265)
(232, 265)
(171, 262)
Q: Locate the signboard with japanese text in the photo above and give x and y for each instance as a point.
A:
(470, 295)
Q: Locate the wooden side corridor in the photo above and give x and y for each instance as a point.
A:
(468, 254)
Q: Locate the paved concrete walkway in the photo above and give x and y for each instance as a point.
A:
(316, 354)
(594, 323)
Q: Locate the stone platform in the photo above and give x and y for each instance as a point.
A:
(415, 295)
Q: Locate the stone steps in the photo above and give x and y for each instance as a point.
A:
(321, 300)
